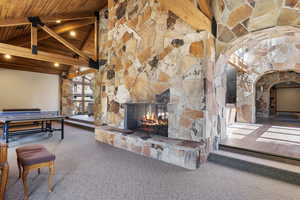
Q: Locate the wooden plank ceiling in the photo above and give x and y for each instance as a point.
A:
(17, 11)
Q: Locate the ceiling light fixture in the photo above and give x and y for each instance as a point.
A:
(56, 64)
(58, 21)
(73, 33)
(7, 56)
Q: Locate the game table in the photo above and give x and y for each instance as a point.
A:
(26, 122)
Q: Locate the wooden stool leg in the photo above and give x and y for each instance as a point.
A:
(24, 179)
(39, 171)
(4, 179)
(20, 169)
(51, 174)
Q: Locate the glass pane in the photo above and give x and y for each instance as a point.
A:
(88, 90)
(89, 98)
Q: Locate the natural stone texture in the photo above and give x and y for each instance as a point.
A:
(221, 5)
(114, 107)
(150, 50)
(197, 49)
(291, 3)
(239, 15)
(239, 30)
(263, 7)
(145, 55)
(163, 77)
(186, 154)
(289, 16)
(146, 15)
(177, 43)
(67, 97)
(264, 14)
(127, 36)
(154, 62)
(193, 114)
(185, 122)
(165, 52)
(263, 86)
(252, 3)
(121, 10)
(244, 113)
(110, 74)
(171, 20)
(226, 35)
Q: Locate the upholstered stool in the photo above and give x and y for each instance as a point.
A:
(34, 157)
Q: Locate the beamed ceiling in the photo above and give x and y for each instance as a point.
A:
(15, 30)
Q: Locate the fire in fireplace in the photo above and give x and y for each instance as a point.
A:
(148, 117)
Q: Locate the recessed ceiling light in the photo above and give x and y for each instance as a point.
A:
(58, 21)
(56, 64)
(73, 33)
(7, 56)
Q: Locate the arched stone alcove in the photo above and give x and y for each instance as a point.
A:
(264, 85)
(269, 50)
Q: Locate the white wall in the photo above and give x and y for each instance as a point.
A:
(20, 89)
(288, 99)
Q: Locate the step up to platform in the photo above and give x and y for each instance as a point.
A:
(82, 120)
(261, 154)
(78, 124)
(269, 168)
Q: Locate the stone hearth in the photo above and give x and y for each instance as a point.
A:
(183, 153)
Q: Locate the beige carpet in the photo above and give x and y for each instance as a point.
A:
(88, 170)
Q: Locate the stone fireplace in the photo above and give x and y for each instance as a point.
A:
(155, 83)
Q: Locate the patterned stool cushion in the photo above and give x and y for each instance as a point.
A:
(30, 156)
(35, 147)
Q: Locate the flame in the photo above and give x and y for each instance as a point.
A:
(152, 119)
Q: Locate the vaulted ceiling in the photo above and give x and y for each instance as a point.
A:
(17, 11)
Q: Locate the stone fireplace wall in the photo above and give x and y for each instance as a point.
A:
(263, 86)
(150, 50)
(67, 106)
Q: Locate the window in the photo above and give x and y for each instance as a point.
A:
(83, 98)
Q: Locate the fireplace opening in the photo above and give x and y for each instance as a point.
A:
(150, 118)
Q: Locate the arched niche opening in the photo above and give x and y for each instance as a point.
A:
(262, 52)
(277, 96)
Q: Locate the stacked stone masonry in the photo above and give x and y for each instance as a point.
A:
(183, 153)
(149, 49)
(264, 85)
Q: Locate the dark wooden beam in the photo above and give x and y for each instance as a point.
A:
(88, 71)
(33, 39)
(65, 42)
(24, 40)
(205, 8)
(188, 12)
(96, 36)
(43, 56)
(29, 68)
(47, 19)
(88, 35)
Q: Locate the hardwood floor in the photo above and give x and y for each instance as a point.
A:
(280, 140)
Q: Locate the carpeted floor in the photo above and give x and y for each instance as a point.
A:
(89, 170)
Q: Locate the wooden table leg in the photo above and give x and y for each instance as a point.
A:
(51, 174)
(20, 168)
(24, 179)
(4, 180)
